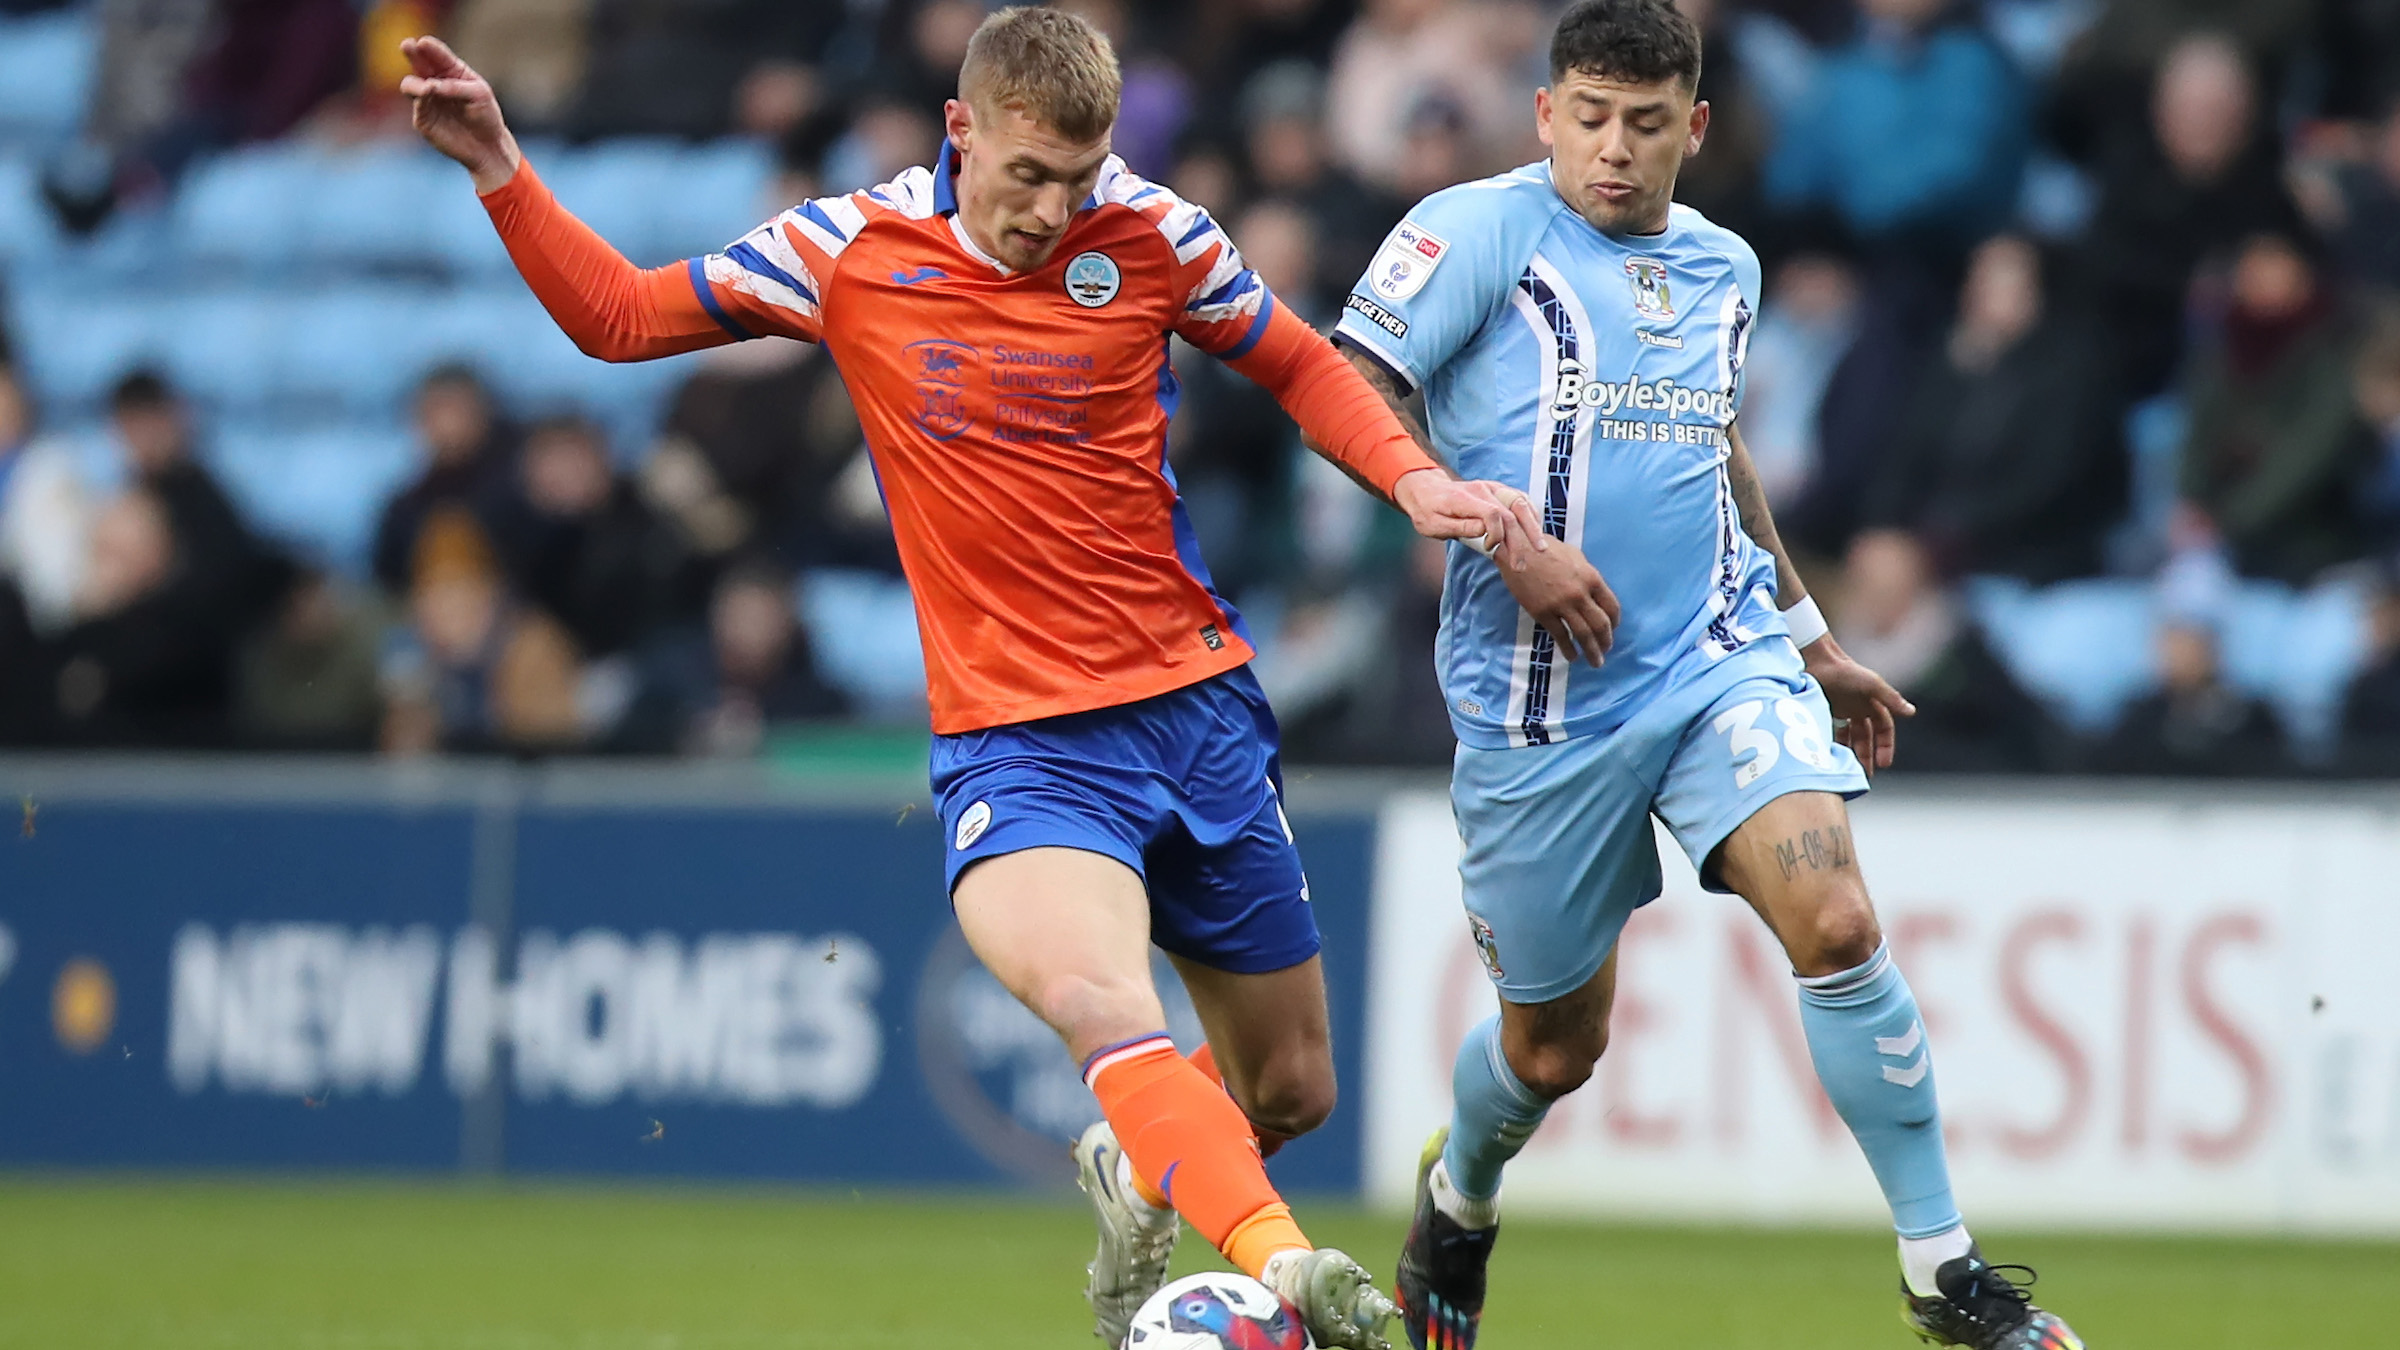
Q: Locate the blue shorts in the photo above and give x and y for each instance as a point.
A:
(1184, 788)
(1559, 850)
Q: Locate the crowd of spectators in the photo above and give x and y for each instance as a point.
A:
(2058, 291)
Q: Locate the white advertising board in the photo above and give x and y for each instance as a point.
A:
(2146, 1014)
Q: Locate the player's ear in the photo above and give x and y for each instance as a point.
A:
(1699, 129)
(958, 122)
(1542, 107)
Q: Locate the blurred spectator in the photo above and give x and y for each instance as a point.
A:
(44, 517)
(1400, 53)
(1913, 133)
(2194, 723)
(920, 50)
(2365, 210)
(2184, 191)
(1220, 44)
(140, 665)
(1896, 618)
(672, 67)
(223, 570)
(2275, 443)
(1805, 327)
(2012, 458)
(888, 137)
(137, 94)
(1157, 97)
(1284, 129)
(308, 679)
(762, 453)
(1861, 410)
(465, 464)
(1206, 175)
(2113, 60)
(2375, 386)
(1722, 181)
(532, 52)
(477, 670)
(2370, 725)
(718, 695)
(577, 540)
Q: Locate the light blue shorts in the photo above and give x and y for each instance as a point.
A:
(1559, 850)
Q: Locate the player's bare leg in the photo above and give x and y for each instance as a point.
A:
(1067, 932)
(1795, 864)
(1505, 1078)
(1271, 1042)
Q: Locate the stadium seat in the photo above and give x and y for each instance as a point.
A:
(720, 192)
(318, 489)
(862, 632)
(354, 349)
(373, 209)
(2298, 650)
(245, 207)
(619, 188)
(75, 344)
(28, 234)
(223, 347)
(2085, 648)
(46, 63)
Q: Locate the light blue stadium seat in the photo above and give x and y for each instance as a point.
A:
(247, 207)
(374, 208)
(224, 347)
(356, 349)
(28, 233)
(619, 188)
(862, 633)
(719, 193)
(46, 64)
(2299, 651)
(319, 489)
(76, 343)
(2085, 648)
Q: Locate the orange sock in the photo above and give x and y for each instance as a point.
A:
(1192, 1146)
(1205, 1060)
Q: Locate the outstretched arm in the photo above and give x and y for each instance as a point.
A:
(1863, 699)
(611, 308)
(1554, 582)
(1343, 419)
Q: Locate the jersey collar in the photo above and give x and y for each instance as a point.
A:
(945, 184)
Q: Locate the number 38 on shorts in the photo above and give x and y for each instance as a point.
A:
(1791, 728)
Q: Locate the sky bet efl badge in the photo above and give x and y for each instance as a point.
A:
(1651, 298)
(1406, 259)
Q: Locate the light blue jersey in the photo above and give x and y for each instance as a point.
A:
(1600, 374)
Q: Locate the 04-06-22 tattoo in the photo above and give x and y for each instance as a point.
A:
(1816, 850)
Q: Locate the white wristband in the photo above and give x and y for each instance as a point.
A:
(1806, 621)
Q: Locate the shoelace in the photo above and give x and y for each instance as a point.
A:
(2000, 1293)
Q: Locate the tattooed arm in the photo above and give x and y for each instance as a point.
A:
(1862, 699)
(1554, 582)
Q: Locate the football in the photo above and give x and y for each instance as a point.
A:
(1216, 1310)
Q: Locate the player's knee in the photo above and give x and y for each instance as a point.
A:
(1291, 1102)
(1095, 1011)
(1552, 1068)
(1841, 935)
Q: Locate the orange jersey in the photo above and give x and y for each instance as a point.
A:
(1017, 421)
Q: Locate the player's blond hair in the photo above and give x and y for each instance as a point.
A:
(1049, 64)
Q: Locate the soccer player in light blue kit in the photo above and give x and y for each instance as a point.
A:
(1576, 333)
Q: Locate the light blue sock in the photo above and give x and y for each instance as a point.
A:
(1869, 1046)
(1493, 1115)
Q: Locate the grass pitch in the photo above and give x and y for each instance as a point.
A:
(223, 1265)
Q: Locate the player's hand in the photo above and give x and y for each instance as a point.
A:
(1442, 507)
(454, 109)
(1567, 596)
(1863, 702)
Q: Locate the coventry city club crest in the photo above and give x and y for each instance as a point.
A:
(1092, 279)
(1651, 298)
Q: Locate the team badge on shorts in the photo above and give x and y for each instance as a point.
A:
(1488, 945)
(972, 822)
(1651, 298)
(1092, 279)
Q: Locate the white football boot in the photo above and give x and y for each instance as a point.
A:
(1135, 1239)
(1335, 1295)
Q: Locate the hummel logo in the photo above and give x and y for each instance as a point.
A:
(1901, 1047)
(921, 274)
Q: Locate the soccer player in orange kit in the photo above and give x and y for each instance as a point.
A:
(1103, 759)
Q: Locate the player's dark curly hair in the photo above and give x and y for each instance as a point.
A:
(1638, 41)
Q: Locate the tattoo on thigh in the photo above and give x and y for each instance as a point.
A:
(1816, 850)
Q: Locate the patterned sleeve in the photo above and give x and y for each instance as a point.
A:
(1431, 285)
(772, 280)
